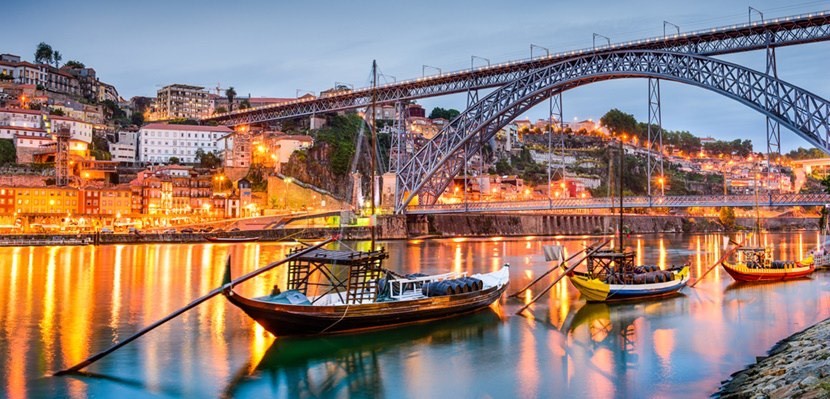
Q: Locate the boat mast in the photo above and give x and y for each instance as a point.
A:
(620, 227)
(373, 145)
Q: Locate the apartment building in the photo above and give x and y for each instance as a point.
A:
(183, 101)
(158, 142)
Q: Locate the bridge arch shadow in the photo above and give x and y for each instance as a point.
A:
(430, 171)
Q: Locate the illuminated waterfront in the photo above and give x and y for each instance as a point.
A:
(61, 304)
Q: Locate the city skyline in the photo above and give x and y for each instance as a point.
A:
(312, 46)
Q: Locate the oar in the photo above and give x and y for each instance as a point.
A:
(227, 283)
(565, 262)
(564, 273)
(719, 261)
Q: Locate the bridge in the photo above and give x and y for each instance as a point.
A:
(685, 201)
(779, 32)
(426, 172)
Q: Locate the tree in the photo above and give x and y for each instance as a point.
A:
(220, 110)
(448, 114)
(7, 152)
(175, 160)
(618, 122)
(137, 118)
(74, 64)
(230, 93)
(56, 111)
(245, 104)
(57, 58)
(727, 217)
(43, 53)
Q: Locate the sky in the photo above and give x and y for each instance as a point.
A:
(276, 48)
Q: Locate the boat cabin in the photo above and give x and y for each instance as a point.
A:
(605, 263)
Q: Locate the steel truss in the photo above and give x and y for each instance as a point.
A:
(746, 37)
(655, 138)
(431, 169)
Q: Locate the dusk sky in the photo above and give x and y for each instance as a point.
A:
(273, 48)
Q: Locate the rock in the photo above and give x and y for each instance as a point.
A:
(809, 381)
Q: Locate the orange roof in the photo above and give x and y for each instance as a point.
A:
(187, 128)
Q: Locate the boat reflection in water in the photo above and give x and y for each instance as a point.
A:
(348, 364)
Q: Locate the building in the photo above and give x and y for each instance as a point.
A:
(40, 200)
(123, 146)
(106, 201)
(158, 142)
(172, 190)
(183, 101)
(282, 146)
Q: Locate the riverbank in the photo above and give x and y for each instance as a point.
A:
(400, 227)
(796, 367)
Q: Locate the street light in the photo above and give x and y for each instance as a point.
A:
(474, 57)
(547, 51)
(596, 35)
(749, 14)
(673, 25)
(424, 68)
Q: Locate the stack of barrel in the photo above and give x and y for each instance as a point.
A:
(461, 285)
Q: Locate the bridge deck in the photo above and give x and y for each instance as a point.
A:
(629, 202)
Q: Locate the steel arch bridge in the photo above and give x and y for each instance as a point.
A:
(431, 169)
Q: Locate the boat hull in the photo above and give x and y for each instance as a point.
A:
(740, 272)
(292, 320)
(594, 290)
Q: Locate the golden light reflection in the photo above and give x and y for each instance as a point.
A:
(664, 345)
(662, 260)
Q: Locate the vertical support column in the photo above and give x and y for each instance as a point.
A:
(472, 98)
(773, 128)
(655, 139)
(558, 147)
(399, 149)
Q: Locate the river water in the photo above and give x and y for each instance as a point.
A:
(59, 305)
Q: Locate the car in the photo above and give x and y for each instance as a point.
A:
(133, 230)
(170, 231)
(187, 230)
(207, 229)
(106, 230)
(235, 229)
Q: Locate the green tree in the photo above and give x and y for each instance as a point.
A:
(727, 217)
(245, 104)
(207, 159)
(448, 114)
(137, 118)
(230, 93)
(43, 53)
(220, 110)
(57, 112)
(618, 122)
(8, 154)
(75, 64)
(57, 57)
(174, 161)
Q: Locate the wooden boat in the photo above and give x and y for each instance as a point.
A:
(756, 264)
(231, 239)
(612, 276)
(338, 291)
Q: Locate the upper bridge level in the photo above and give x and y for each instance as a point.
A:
(777, 32)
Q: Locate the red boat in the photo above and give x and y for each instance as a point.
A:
(231, 239)
(756, 264)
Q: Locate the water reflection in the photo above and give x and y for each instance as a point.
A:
(349, 365)
(61, 304)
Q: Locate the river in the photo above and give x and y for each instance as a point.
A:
(58, 305)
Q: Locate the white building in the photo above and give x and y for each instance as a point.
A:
(78, 129)
(158, 142)
(21, 118)
(284, 146)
